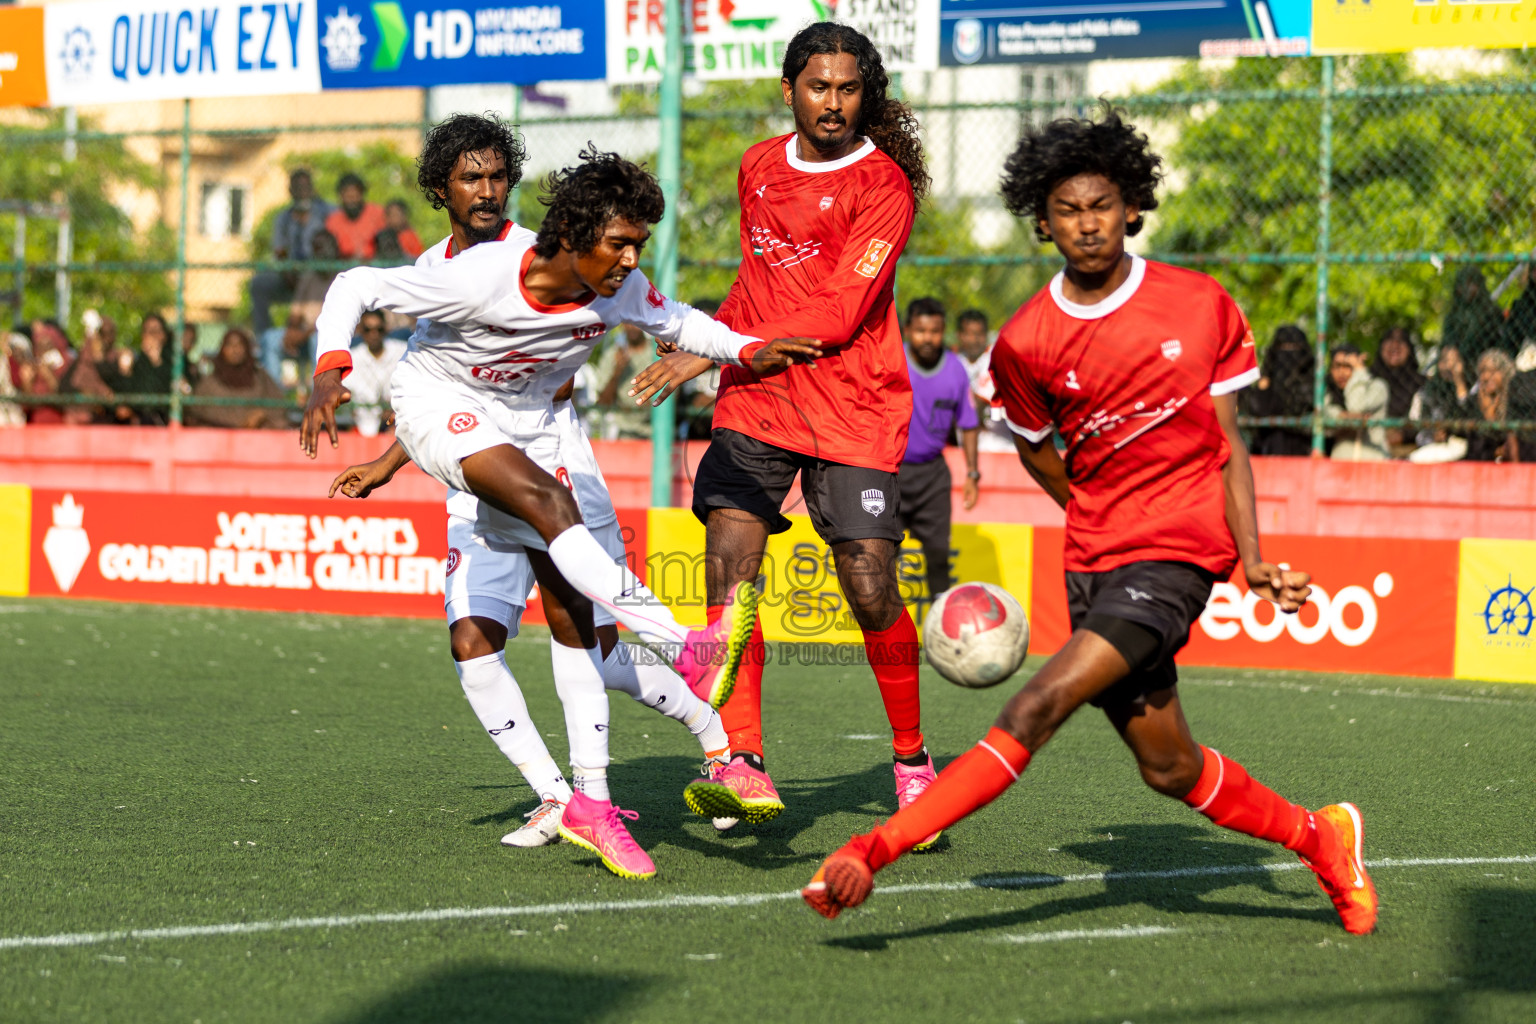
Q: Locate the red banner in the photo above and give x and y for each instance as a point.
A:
(1378, 606)
(275, 554)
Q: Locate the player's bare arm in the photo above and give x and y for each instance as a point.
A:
(656, 383)
(362, 480)
(320, 411)
(1043, 462)
(1285, 587)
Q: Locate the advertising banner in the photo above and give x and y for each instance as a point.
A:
(801, 599)
(23, 80)
(1494, 611)
(276, 554)
(1377, 606)
(1387, 26)
(1008, 31)
(431, 42)
(121, 51)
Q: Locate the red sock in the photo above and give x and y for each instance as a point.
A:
(972, 780)
(742, 715)
(1233, 799)
(893, 656)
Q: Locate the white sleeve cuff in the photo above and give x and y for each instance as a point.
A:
(1032, 436)
(1242, 380)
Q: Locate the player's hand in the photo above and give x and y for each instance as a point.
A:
(320, 411)
(970, 494)
(656, 382)
(665, 348)
(1285, 587)
(360, 481)
(778, 355)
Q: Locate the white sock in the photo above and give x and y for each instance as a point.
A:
(498, 702)
(591, 570)
(579, 682)
(634, 670)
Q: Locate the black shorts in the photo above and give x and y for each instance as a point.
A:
(1164, 598)
(845, 502)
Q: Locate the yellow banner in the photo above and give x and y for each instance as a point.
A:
(15, 539)
(1388, 26)
(1496, 610)
(801, 599)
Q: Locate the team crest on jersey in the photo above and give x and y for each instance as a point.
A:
(1172, 349)
(462, 421)
(654, 298)
(826, 202)
(565, 478)
(874, 257)
(873, 501)
(453, 561)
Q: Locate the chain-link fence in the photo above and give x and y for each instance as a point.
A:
(1346, 198)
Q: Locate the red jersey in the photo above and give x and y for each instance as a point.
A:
(819, 243)
(1128, 382)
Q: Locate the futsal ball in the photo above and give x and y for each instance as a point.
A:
(976, 635)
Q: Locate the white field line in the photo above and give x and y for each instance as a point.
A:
(1125, 931)
(683, 902)
(1353, 691)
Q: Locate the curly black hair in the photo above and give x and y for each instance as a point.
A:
(460, 134)
(583, 199)
(889, 123)
(1069, 146)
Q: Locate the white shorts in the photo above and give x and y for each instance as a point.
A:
(442, 422)
(492, 579)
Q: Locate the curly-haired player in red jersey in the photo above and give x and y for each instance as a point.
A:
(825, 213)
(1136, 365)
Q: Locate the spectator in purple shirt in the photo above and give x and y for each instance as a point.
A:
(941, 404)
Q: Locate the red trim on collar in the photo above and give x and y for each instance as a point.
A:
(535, 304)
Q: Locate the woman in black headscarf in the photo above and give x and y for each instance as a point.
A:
(1398, 365)
(1473, 321)
(1285, 388)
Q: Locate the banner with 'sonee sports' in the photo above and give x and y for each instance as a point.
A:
(122, 51)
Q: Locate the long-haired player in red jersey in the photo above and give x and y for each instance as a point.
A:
(1136, 365)
(825, 213)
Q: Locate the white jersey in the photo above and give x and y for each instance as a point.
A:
(482, 328)
(585, 477)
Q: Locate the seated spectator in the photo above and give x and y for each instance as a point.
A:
(1286, 387)
(1353, 394)
(84, 377)
(356, 222)
(1443, 397)
(288, 352)
(145, 372)
(292, 233)
(402, 239)
(623, 357)
(236, 374)
(1398, 364)
(373, 363)
(309, 291)
(1520, 326)
(32, 368)
(11, 414)
(1473, 321)
(1492, 402)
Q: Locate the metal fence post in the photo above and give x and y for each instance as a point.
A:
(178, 357)
(1324, 204)
(669, 159)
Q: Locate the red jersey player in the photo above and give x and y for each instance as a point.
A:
(1136, 366)
(825, 213)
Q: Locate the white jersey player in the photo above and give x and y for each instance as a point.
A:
(508, 324)
(490, 581)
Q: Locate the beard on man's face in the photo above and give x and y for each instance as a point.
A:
(478, 230)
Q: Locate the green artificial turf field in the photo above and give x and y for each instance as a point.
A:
(299, 780)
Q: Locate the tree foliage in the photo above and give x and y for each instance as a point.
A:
(1447, 172)
(103, 169)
